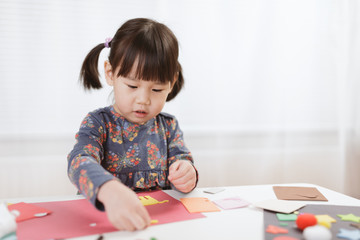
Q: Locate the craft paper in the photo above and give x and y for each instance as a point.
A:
(349, 217)
(214, 190)
(27, 211)
(357, 225)
(284, 238)
(286, 217)
(276, 230)
(325, 218)
(298, 193)
(77, 218)
(147, 200)
(280, 206)
(349, 234)
(231, 203)
(199, 204)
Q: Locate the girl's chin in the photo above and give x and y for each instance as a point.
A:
(140, 120)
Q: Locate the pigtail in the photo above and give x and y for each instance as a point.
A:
(89, 74)
(178, 85)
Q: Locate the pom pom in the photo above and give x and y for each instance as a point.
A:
(305, 220)
(317, 232)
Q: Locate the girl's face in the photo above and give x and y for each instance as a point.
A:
(136, 100)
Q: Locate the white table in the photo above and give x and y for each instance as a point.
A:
(242, 223)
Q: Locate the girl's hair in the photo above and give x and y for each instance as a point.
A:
(151, 44)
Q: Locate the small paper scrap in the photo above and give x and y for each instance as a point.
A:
(154, 221)
(357, 225)
(28, 211)
(276, 230)
(147, 200)
(349, 217)
(214, 190)
(325, 218)
(286, 217)
(285, 238)
(348, 234)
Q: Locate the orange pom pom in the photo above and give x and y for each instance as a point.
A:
(306, 220)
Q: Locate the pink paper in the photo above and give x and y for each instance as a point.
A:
(231, 203)
(77, 218)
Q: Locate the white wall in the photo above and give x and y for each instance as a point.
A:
(248, 64)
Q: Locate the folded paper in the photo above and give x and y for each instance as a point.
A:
(281, 206)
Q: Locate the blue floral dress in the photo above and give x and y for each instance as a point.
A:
(109, 147)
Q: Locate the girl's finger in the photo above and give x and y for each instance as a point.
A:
(123, 224)
(174, 167)
(138, 222)
(173, 170)
(143, 213)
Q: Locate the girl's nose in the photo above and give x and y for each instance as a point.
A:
(143, 97)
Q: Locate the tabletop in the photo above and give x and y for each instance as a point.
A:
(240, 223)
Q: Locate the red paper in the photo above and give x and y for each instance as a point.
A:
(27, 210)
(77, 218)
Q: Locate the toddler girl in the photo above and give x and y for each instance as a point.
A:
(131, 145)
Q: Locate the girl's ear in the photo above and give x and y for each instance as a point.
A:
(108, 73)
(174, 81)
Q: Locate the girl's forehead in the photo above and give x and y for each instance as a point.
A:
(136, 74)
(145, 67)
(157, 82)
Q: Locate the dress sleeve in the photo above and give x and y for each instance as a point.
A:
(84, 161)
(177, 148)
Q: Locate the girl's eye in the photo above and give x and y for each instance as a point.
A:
(157, 90)
(132, 87)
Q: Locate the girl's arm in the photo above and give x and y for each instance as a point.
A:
(182, 172)
(84, 169)
(123, 208)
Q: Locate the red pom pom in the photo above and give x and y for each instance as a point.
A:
(306, 220)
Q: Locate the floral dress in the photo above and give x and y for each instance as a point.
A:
(139, 155)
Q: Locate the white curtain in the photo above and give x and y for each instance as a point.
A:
(348, 101)
(271, 91)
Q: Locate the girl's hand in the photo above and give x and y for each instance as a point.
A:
(123, 207)
(182, 175)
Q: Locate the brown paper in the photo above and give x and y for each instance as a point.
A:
(298, 193)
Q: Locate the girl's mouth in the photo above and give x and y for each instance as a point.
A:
(140, 113)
